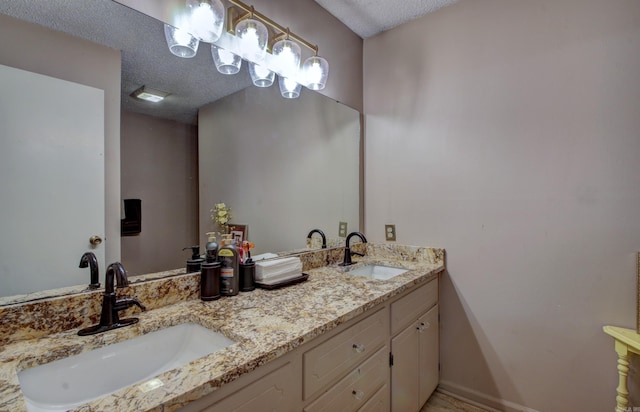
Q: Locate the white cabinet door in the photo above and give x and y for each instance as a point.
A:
(51, 180)
(405, 387)
(414, 374)
(429, 353)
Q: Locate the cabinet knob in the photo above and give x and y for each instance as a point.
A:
(423, 326)
(358, 347)
(358, 394)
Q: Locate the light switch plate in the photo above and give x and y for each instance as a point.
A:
(342, 229)
(390, 233)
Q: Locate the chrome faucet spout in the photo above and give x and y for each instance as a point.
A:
(347, 249)
(90, 260)
(321, 233)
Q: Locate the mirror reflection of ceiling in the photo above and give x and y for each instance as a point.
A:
(146, 60)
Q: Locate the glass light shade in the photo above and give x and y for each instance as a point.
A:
(289, 89)
(253, 37)
(287, 57)
(315, 71)
(225, 61)
(180, 42)
(206, 19)
(261, 76)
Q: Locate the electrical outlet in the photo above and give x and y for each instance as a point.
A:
(390, 233)
(342, 229)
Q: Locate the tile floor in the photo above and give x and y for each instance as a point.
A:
(439, 402)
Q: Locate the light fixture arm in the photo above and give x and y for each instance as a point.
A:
(251, 13)
(282, 36)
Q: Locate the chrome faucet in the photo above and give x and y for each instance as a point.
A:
(115, 276)
(347, 250)
(90, 260)
(321, 233)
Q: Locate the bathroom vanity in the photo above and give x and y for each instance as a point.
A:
(337, 341)
(351, 367)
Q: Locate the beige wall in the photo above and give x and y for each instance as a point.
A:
(34, 48)
(160, 166)
(339, 45)
(507, 133)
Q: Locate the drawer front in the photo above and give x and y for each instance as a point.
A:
(332, 359)
(273, 392)
(355, 389)
(408, 308)
(379, 402)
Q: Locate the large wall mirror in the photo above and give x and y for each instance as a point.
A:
(284, 166)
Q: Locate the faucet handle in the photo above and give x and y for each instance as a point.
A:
(127, 302)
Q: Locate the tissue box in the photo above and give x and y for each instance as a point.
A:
(278, 269)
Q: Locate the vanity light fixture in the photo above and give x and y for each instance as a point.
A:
(252, 37)
(287, 56)
(225, 61)
(149, 94)
(206, 18)
(268, 47)
(289, 89)
(181, 43)
(261, 76)
(315, 71)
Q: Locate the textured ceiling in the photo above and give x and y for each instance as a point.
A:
(146, 60)
(367, 18)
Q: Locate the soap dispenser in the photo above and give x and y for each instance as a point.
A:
(210, 281)
(212, 248)
(194, 264)
(229, 267)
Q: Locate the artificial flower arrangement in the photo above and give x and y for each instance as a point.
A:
(221, 215)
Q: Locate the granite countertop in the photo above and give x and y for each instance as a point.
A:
(265, 324)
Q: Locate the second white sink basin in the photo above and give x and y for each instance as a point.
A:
(73, 381)
(377, 272)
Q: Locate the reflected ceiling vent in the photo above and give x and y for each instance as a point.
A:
(149, 94)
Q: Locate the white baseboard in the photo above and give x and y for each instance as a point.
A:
(480, 399)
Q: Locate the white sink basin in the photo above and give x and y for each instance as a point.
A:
(377, 272)
(73, 381)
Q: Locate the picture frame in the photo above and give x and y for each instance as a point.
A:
(239, 232)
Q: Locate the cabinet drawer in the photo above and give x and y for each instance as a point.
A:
(379, 402)
(408, 308)
(273, 392)
(353, 391)
(335, 357)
